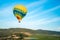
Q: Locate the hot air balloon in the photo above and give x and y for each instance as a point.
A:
(19, 12)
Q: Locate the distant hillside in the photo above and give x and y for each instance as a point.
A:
(6, 32)
(48, 32)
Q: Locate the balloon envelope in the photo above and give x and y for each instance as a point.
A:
(19, 11)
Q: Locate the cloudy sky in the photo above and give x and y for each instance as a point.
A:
(41, 14)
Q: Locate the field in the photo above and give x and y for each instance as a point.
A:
(46, 37)
(41, 37)
(35, 34)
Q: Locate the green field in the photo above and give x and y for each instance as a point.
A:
(42, 37)
(46, 37)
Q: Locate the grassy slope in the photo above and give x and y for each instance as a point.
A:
(46, 37)
(40, 35)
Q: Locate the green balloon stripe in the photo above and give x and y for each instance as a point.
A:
(18, 14)
(20, 10)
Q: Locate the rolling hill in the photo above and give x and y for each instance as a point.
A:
(7, 32)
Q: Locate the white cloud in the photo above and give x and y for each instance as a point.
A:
(6, 11)
(35, 10)
(55, 29)
(52, 9)
(29, 24)
(36, 3)
(44, 12)
(39, 22)
(58, 29)
(42, 22)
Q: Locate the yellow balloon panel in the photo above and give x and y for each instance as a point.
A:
(21, 7)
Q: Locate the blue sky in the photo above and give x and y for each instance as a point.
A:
(42, 14)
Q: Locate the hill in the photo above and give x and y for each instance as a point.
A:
(7, 32)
